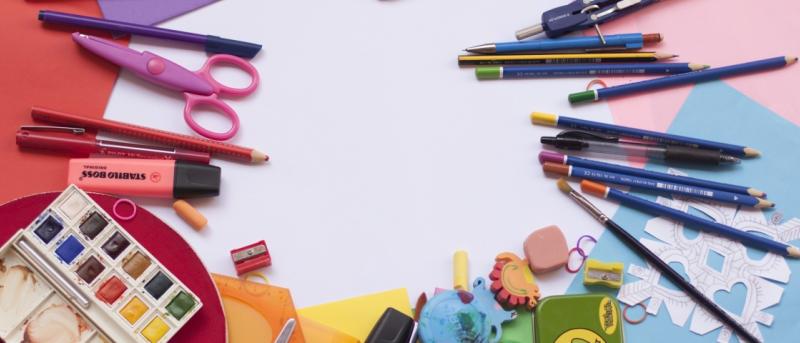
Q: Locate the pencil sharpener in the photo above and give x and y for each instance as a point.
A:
(607, 274)
(251, 257)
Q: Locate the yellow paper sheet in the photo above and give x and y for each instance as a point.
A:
(314, 331)
(356, 316)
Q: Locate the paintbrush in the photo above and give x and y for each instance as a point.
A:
(662, 266)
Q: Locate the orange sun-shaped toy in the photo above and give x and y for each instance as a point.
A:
(513, 282)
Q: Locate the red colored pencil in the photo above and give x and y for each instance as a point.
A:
(136, 131)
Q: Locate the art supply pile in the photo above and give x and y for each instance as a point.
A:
(77, 274)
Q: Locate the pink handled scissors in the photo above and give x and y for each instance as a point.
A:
(198, 87)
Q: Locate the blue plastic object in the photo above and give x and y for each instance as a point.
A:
(577, 15)
(219, 45)
(625, 41)
(461, 316)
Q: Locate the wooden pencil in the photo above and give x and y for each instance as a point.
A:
(476, 60)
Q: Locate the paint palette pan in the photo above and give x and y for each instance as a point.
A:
(76, 267)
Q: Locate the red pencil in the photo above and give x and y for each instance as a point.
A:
(136, 131)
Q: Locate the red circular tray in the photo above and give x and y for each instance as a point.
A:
(208, 325)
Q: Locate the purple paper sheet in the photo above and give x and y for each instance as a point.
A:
(148, 12)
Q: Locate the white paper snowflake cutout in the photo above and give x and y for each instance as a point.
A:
(674, 246)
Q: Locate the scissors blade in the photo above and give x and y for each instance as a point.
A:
(146, 65)
(115, 53)
(286, 332)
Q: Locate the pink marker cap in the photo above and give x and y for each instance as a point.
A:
(549, 156)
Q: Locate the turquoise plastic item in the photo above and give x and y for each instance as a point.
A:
(461, 316)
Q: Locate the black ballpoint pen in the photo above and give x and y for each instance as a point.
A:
(592, 142)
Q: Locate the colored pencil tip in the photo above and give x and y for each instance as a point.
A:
(764, 204)
(756, 193)
(750, 152)
(793, 251)
(563, 185)
(791, 59)
(258, 156)
(664, 56)
(695, 66)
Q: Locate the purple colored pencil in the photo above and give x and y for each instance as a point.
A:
(212, 44)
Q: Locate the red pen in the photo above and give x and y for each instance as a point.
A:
(73, 142)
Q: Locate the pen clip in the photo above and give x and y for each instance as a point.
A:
(67, 129)
(586, 135)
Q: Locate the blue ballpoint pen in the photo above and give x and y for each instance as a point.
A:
(626, 41)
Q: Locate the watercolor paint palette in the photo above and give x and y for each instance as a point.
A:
(76, 265)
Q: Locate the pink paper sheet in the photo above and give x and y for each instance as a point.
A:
(718, 33)
(148, 12)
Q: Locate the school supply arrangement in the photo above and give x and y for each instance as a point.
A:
(76, 273)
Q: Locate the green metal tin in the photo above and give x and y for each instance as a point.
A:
(593, 318)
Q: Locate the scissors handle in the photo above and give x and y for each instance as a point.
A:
(220, 88)
(193, 100)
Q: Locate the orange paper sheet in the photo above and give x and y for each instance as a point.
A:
(42, 66)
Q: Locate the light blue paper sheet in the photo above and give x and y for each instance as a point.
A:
(718, 112)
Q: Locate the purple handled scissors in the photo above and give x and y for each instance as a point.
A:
(198, 87)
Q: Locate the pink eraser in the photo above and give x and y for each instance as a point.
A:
(546, 249)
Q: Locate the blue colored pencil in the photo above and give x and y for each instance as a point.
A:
(562, 70)
(549, 156)
(656, 185)
(675, 80)
(746, 238)
(652, 136)
(627, 41)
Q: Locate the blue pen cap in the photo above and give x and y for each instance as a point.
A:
(219, 45)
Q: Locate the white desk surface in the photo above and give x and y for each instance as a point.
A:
(386, 157)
